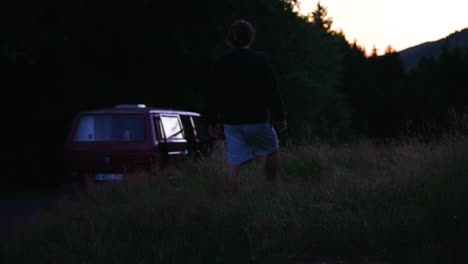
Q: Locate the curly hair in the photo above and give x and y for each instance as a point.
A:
(240, 34)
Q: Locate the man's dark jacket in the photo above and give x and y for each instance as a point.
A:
(243, 89)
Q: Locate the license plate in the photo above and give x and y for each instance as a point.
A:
(108, 177)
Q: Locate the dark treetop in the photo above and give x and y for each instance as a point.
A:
(243, 89)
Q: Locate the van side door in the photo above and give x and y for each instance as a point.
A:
(204, 141)
(190, 135)
(171, 134)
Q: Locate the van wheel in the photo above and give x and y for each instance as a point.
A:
(75, 184)
(161, 161)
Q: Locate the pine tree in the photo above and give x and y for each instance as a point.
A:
(320, 17)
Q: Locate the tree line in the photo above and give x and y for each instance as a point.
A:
(58, 58)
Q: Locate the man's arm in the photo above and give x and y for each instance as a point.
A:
(213, 103)
(213, 100)
(275, 102)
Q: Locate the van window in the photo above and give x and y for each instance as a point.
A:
(107, 128)
(172, 127)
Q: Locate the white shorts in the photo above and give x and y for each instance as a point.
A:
(245, 139)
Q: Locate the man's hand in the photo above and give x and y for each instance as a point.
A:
(281, 126)
(214, 130)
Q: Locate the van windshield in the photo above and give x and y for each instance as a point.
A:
(110, 128)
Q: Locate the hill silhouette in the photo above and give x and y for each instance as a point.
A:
(411, 56)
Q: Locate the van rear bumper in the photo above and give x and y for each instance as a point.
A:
(77, 165)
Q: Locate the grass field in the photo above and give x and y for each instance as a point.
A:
(404, 202)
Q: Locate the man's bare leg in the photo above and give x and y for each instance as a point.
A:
(271, 166)
(232, 179)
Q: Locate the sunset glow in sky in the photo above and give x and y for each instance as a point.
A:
(399, 23)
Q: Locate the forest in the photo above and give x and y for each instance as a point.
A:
(61, 57)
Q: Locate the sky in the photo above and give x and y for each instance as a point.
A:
(399, 23)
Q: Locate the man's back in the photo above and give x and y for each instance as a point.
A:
(244, 87)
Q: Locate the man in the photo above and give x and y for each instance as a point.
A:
(244, 98)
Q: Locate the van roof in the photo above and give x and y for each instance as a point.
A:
(139, 110)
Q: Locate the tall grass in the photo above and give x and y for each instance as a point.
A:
(401, 203)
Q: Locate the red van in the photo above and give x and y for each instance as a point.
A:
(105, 143)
